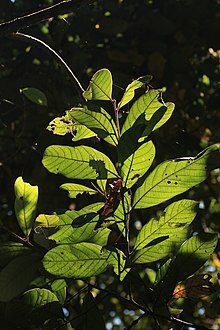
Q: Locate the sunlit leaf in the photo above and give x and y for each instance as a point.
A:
(121, 214)
(38, 297)
(195, 287)
(34, 95)
(98, 120)
(75, 260)
(174, 177)
(100, 87)
(26, 197)
(155, 111)
(130, 89)
(137, 164)
(74, 189)
(192, 254)
(159, 238)
(80, 162)
(16, 276)
(62, 125)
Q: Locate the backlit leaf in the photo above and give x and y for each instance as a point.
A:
(176, 176)
(159, 238)
(137, 164)
(76, 260)
(74, 189)
(26, 197)
(98, 120)
(80, 162)
(148, 105)
(130, 89)
(100, 87)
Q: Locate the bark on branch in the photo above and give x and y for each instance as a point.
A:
(19, 23)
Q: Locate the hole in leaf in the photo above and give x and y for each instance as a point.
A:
(169, 182)
(175, 182)
(22, 198)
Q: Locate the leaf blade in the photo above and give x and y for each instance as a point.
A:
(100, 87)
(174, 177)
(67, 160)
(26, 198)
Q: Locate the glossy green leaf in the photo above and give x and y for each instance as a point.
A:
(98, 120)
(80, 162)
(16, 276)
(100, 87)
(174, 177)
(137, 164)
(34, 95)
(76, 260)
(130, 89)
(26, 197)
(160, 237)
(74, 189)
(155, 111)
(191, 256)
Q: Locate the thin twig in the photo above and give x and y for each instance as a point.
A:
(30, 19)
(41, 44)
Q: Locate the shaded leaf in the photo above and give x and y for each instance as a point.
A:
(195, 287)
(80, 162)
(17, 275)
(130, 89)
(121, 214)
(137, 164)
(38, 297)
(98, 120)
(10, 251)
(100, 87)
(159, 238)
(192, 254)
(174, 177)
(91, 318)
(74, 189)
(26, 197)
(34, 95)
(75, 260)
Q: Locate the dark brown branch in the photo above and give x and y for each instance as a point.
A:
(23, 22)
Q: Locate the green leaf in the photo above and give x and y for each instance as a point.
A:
(155, 111)
(137, 164)
(159, 238)
(80, 162)
(34, 95)
(75, 260)
(26, 197)
(74, 189)
(65, 124)
(10, 251)
(191, 256)
(117, 259)
(98, 120)
(91, 317)
(38, 297)
(121, 214)
(174, 177)
(130, 89)
(79, 226)
(17, 275)
(59, 289)
(100, 87)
